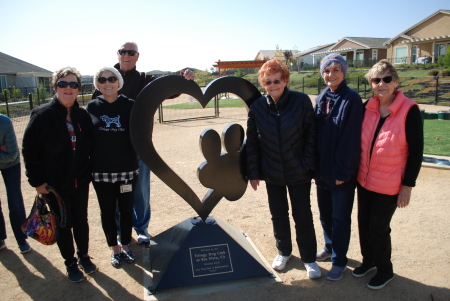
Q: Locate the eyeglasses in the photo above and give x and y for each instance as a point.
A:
(111, 79)
(386, 79)
(130, 52)
(275, 82)
(63, 84)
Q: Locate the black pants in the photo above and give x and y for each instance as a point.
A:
(375, 211)
(77, 226)
(301, 212)
(109, 197)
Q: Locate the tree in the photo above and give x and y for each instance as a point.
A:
(444, 61)
(240, 73)
(278, 53)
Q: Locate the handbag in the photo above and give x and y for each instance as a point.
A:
(42, 223)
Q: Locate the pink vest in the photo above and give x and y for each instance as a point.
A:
(384, 171)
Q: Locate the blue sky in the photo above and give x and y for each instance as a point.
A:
(196, 33)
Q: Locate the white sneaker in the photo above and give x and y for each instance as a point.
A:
(312, 270)
(279, 263)
(143, 236)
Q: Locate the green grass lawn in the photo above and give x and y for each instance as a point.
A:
(223, 103)
(433, 129)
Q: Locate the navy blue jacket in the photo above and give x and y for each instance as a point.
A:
(281, 139)
(338, 138)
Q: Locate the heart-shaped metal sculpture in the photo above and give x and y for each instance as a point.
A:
(142, 121)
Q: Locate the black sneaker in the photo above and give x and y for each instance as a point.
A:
(379, 281)
(84, 261)
(74, 273)
(362, 270)
(24, 246)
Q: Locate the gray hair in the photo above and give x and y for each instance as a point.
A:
(108, 69)
(64, 71)
(133, 43)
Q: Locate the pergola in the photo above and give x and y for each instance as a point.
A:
(237, 65)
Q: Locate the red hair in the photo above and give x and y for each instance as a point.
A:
(272, 67)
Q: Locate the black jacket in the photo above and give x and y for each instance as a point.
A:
(133, 82)
(47, 147)
(281, 139)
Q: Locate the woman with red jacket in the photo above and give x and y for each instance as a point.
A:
(391, 157)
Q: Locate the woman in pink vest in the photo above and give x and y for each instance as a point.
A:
(391, 157)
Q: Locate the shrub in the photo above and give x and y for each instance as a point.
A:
(445, 72)
(433, 72)
(240, 73)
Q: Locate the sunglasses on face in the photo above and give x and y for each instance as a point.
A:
(130, 52)
(63, 84)
(275, 82)
(111, 79)
(386, 79)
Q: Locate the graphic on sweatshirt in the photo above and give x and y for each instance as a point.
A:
(110, 120)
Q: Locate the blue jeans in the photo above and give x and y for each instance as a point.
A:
(141, 210)
(335, 209)
(11, 177)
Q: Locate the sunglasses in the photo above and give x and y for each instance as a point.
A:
(111, 79)
(63, 84)
(386, 79)
(275, 82)
(130, 52)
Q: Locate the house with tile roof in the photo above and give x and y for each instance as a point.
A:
(358, 51)
(20, 74)
(424, 42)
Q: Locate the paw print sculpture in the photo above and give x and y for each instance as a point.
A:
(223, 173)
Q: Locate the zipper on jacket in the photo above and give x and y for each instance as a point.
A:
(279, 145)
(370, 157)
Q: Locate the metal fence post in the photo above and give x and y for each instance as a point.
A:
(6, 102)
(436, 92)
(365, 89)
(30, 97)
(358, 85)
(303, 86)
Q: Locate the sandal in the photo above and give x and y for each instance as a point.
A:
(115, 260)
(128, 256)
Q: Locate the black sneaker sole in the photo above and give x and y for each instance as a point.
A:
(362, 275)
(25, 251)
(379, 286)
(88, 272)
(76, 281)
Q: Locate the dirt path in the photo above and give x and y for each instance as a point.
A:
(420, 238)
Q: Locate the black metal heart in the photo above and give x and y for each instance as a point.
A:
(143, 113)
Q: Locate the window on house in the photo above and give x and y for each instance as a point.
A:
(414, 54)
(359, 56)
(400, 55)
(375, 54)
(440, 50)
(2, 83)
